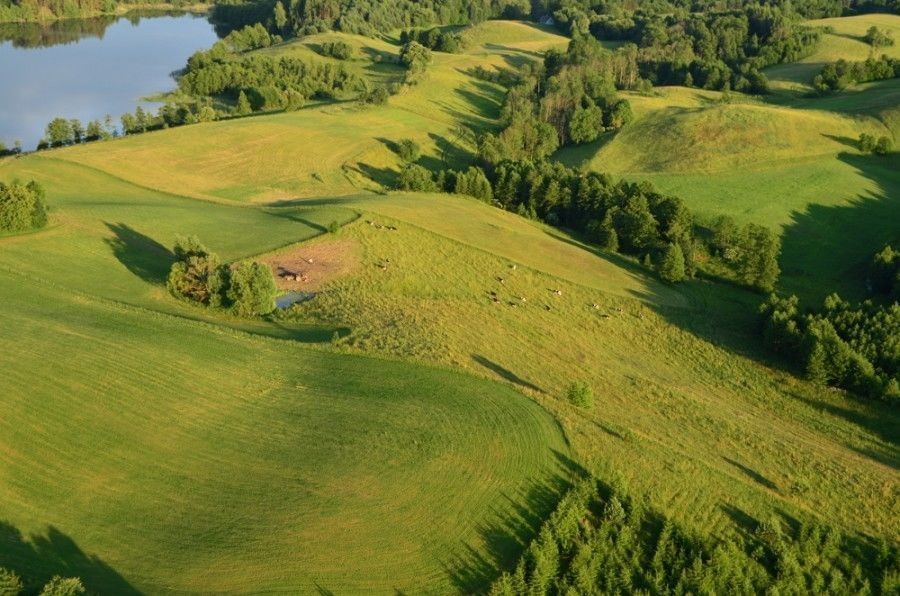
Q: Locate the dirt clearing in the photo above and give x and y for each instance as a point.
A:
(308, 267)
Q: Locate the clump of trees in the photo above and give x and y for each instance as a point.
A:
(434, 39)
(370, 17)
(22, 207)
(16, 149)
(601, 541)
(751, 250)
(340, 50)
(408, 150)
(268, 82)
(198, 276)
(570, 99)
(416, 58)
(853, 347)
(870, 144)
(843, 73)
(877, 38)
(711, 46)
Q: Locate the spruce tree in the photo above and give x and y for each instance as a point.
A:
(671, 265)
(243, 104)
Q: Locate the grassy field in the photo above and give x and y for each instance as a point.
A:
(325, 150)
(846, 42)
(402, 455)
(679, 415)
(786, 161)
(233, 461)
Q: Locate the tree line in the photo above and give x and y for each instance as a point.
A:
(23, 207)
(43, 10)
(702, 47)
(630, 218)
(855, 347)
(599, 540)
(844, 73)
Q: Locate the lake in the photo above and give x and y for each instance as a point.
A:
(89, 68)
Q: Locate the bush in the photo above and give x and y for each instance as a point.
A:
(251, 289)
(884, 145)
(409, 151)
(22, 207)
(580, 394)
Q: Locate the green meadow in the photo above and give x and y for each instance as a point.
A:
(787, 160)
(407, 430)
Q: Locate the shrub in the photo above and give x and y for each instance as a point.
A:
(580, 394)
(251, 289)
(376, 97)
(333, 227)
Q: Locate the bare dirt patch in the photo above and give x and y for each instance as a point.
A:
(308, 267)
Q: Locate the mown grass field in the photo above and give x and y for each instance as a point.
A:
(403, 456)
(230, 460)
(326, 150)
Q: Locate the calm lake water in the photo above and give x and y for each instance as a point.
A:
(88, 69)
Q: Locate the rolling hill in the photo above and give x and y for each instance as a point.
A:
(407, 429)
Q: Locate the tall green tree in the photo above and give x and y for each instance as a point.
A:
(243, 104)
(671, 265)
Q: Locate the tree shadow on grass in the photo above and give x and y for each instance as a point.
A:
(38, 558)
(828, 248)
(143, 256)
(752, 474)
(505, 373)
(516, 521)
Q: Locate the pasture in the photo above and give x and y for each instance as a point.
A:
(234, 461)
(407, 430)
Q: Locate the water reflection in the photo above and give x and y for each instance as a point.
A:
(88, 68)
